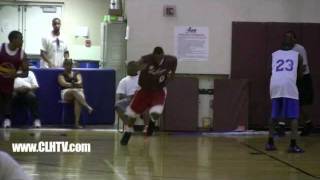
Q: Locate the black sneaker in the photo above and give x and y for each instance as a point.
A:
(270, 147)
(125, 138)
(306, 130)
(295, 149)
(280, 130)
(150, 129)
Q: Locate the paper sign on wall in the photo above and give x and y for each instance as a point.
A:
(192, 43)
(82, 31)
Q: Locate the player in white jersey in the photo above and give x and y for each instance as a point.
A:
(286, 66)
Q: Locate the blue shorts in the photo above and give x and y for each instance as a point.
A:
(285, 108)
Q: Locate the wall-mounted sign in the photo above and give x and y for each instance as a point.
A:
(87, 43)
(169, 10)
(192, 43)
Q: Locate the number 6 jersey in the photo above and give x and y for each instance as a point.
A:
(154, 76)
(284, 74)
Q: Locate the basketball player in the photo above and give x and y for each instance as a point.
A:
(11, 59)
(286, 68)
(156, 70)
(305, 89)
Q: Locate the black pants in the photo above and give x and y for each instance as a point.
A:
(5, 104)
(26, 99)
(305, 88)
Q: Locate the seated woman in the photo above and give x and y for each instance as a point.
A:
(72, 91)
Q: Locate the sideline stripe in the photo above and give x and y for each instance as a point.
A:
(279, 160)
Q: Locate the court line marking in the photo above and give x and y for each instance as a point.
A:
(281, 161)
(57, 130)
(116, 172)
(124, 178)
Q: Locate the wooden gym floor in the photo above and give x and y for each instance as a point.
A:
(165, 156)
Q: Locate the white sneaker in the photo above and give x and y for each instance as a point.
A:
(128, 129)
(145, 129)
(7, 123)
(6, 135)
(37, 135)
(37, 123)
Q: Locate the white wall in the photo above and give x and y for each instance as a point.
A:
(149, 28)
(84, 13)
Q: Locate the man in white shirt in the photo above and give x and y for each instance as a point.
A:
(24, 94)
(125, 92)
(54, 47)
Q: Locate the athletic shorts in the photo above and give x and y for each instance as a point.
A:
(285, 108)
(153, 100)
(64, 91)
(305, 89)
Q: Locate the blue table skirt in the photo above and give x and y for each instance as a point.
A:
(99, 89)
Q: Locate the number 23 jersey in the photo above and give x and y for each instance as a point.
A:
(284, 74)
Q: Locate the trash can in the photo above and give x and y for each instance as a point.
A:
(87, 64)
(34, 63)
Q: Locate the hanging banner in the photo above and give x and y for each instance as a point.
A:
(191, 43)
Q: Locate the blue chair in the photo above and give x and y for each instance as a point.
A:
(63, 110)
(64, 105)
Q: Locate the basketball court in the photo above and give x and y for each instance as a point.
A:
(165, 156)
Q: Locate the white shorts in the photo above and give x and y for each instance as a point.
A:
(63, 92)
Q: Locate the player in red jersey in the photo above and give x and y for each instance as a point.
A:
(156, 71)
(12, 59)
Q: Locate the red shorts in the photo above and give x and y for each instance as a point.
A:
(144, 99)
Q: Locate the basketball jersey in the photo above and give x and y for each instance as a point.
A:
(284, 74)
(10, 60)
(154, 76)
